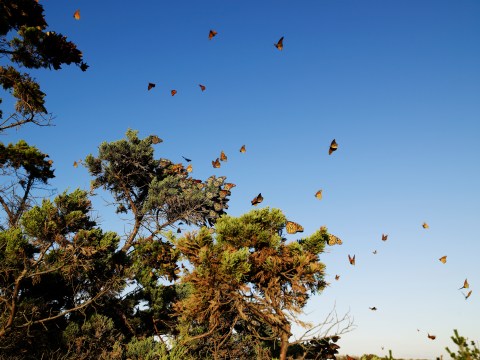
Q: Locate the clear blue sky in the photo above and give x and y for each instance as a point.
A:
(396, 83)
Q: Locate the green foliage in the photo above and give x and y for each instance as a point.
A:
(465, 350)
(25, 42)
(149, 349)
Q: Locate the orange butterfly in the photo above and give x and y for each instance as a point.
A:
(216, 163)
(465, 285)
(173, 92)
(150, 86)
(189, 168)
(211, 34)
(293, 227)
(223, 193)
(351, 259)
(155, 139)
(425, 225)
(468, 295)
(443, 259)
(257, 199)
(223, 157)
(228, 186)
(384, 237)
(202, 87)
(76, 14)
(279, 44)
(333, 147)
(75, 164)
(337, 277)
(318, 194)
(242, 149)
(432, 337)
(350, 358)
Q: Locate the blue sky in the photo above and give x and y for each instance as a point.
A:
(396, 83)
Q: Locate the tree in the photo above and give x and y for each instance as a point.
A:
(464, 352)
(25, 42)
(247, 275)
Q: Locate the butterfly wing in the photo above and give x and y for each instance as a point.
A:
(242, 149)
(202, 87)
(333, 147)
(318, 194)
(76, 14)
(211, 34)
(150, 86)
(223, 157)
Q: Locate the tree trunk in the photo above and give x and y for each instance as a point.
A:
(284, 342)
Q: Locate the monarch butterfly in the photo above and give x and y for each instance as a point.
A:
(223, 193)
(350, 358)
(333, 147)
(465, 285)
(432, 337)
(351, 259)
(373, 308)
(332, 240)
(216, 163)
(223, 157)
(242, 149)
(279, 44)
(443, 259)
(211, 34)
(75, 164)
(318, 194)
(384, 237)
(228, 186)
(173, 92)
(179, 231)
(257, 199)
(425, 225)
(202, 87)
(293, 227)
(189, 168)
(337, 277)
(150, 86)
(374, 252)
(468, 295)
(186, 159)
(155, 139)
(76, 14)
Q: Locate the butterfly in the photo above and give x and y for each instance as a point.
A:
(468, 295)
(75, 164)
(425, 225)
(202, 87)
(351, 259)
(186, 159)
(189, 168)
(293, 227)
(223, 157)
(173, 92)
(443, 259)
(465, 285)
(76, 14)
(150, 86)
(179, 231)
(333, 147)
(332, 240)
(228, 186)
(337, 277)
(155, 139)
(350, 358)
(257, 199)
(216, 163)
(318, 194)
(374, 252)
(279, 44)
(384, 237)
(432, 337)
(373, 308)
(242, 149)
(211, 34)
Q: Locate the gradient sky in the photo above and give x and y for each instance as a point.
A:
(396, 83)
